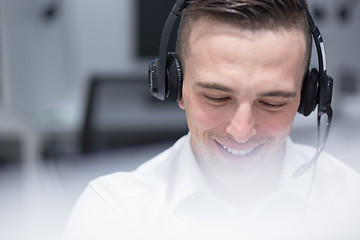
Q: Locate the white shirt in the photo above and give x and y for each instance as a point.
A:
(168, 197)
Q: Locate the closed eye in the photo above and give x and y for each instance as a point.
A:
(272, 105)
(216, 99)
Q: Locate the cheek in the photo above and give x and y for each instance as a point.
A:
(200, 116)
(204, 118)
(279, 126)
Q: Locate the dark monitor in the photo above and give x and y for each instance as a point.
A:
(151, 17)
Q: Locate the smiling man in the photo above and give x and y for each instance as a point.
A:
(240, 107)
(242, 68)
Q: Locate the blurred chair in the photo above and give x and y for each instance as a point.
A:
(121, 113)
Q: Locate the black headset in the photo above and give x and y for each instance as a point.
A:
(165, 77)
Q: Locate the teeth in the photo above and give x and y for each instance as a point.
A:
(238, 152)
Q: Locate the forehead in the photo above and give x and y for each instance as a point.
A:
(268, 17)
(210, 34)
(221, 50)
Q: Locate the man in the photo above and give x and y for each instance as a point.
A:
(243, 65)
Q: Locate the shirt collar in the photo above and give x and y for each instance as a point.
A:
(185, 177)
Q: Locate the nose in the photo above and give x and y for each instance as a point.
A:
(242, 124)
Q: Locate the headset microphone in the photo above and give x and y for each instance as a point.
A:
(303, 168)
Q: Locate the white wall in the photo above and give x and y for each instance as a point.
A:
(100, 39)
(35, 55)
(50, 61)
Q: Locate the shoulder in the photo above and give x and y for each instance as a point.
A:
(122, 199)
(146, 177)
(335, 184)
(335, 192)
(330, 167)
(138, 189)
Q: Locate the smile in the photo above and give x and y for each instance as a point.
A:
(239, 152)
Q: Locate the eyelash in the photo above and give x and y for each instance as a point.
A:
(217, 100)
(223, 100)
(272, 106)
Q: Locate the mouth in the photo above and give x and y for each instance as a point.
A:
(248, 153)
(239, 152)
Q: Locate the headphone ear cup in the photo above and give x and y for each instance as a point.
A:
(174, 77)
(309, 93)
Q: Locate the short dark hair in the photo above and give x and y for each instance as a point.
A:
(246, 14)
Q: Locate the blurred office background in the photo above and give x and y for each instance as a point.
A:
(74, 102)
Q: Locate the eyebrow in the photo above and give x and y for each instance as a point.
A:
(285, 94)
(214, 86)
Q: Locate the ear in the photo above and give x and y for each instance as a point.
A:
(181, 104)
